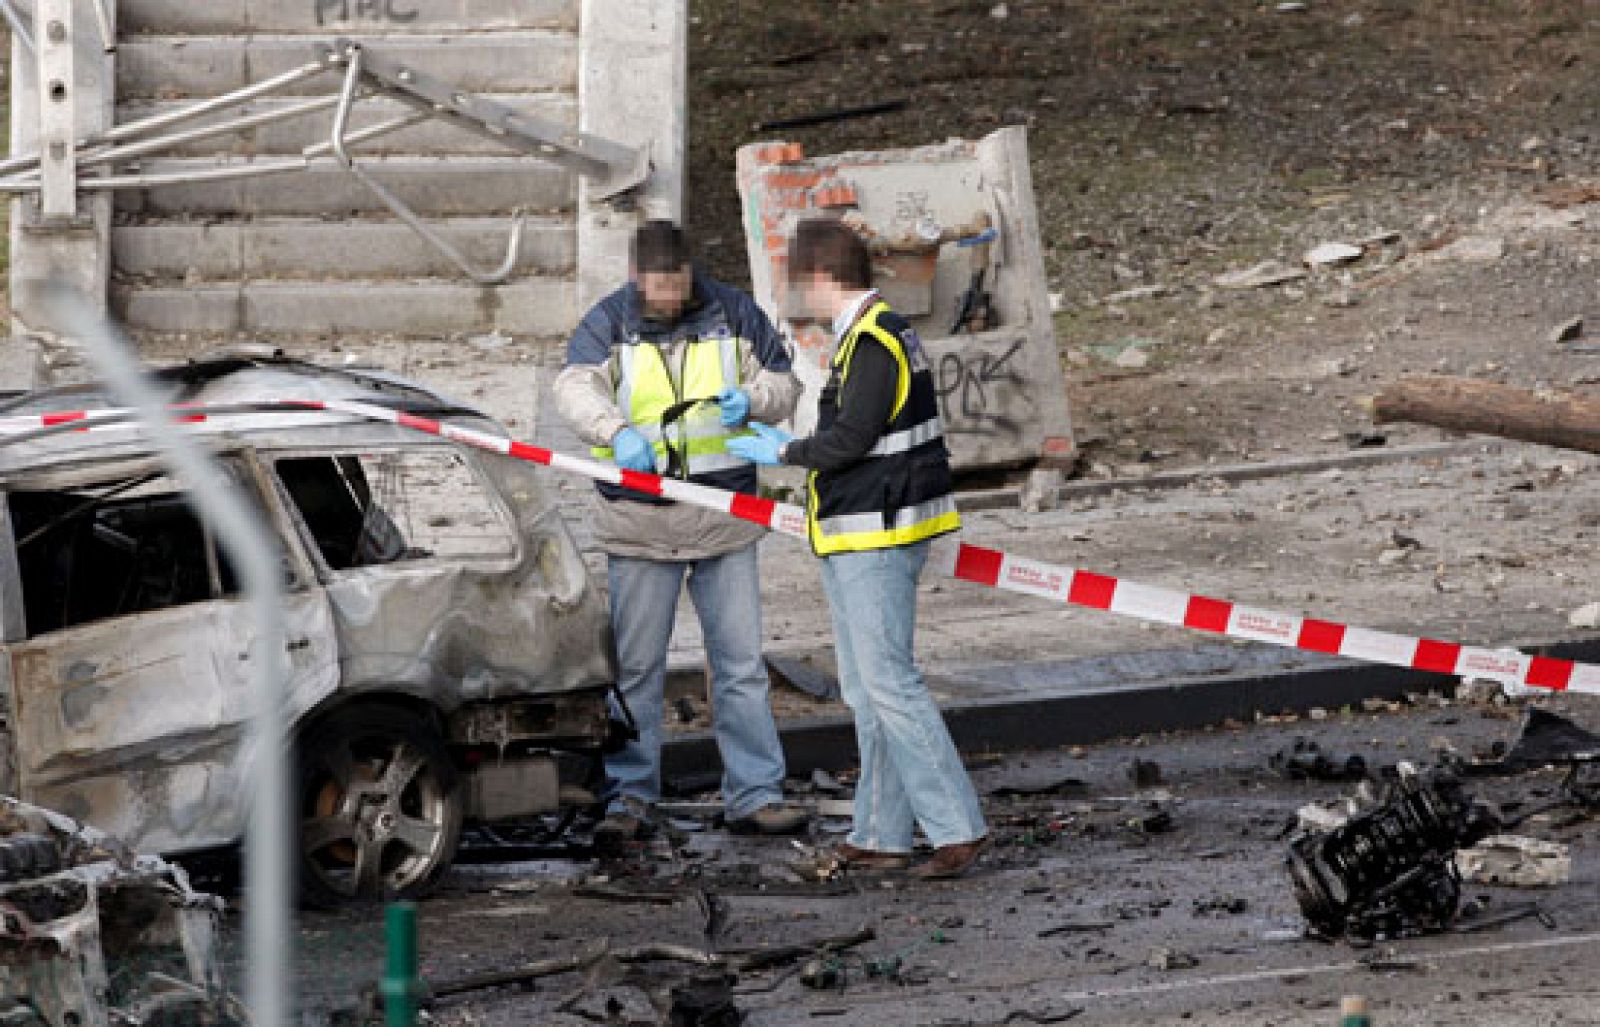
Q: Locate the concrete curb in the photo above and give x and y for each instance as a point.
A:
(1050, 720)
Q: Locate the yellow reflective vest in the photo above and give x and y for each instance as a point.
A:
(694, 444)
(902, 491)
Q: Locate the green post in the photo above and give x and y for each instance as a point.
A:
(400, 985)
(1353, 1012)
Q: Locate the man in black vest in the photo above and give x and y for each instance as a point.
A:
(880, 489)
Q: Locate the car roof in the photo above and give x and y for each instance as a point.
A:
(230, 378)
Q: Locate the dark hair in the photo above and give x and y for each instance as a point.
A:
(828, 247)
(659, 246)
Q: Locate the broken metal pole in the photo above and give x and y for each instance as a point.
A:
(156, 122)
(254, 91)
(19, 27)
(574, 963)
(250, 549)
(341, 117)
(240, 124)
(58, 100)
(108, 33)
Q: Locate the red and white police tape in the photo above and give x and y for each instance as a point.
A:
(958, 559)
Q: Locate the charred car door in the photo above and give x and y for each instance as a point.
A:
(128, 648)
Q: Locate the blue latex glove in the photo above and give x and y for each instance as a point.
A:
(632, 450)
(735, 405)
(762, 447)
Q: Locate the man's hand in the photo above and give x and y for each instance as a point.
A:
(735, 405)
(763, 447)
(633, 451)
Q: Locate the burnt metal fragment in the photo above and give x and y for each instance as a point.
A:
(1389, 872)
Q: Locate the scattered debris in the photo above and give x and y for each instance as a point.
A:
(1585, 616)
(1079, 927)
(1305, 759)
(827, 784)
(1031, 789)
(1141, 292)
(1509, 916)
(1220, 905)
(1327, 814)
(1508, 859)
(1393, 557)
(769, 956)
(831, 807)
(1164, 958)
(1389, 872)
(866, 110)
(803, 676)
(1041, 490)
(1569, 194)
(1154, 823)
(1043, 1015)
(1544, 738)
(1365, 439)
(1332, 254)
(1473, 249)
(1567, 331)
(1144, 773)
(1263, 275)
(704, 1000)
(492, 341)
(578, 962)
(1389, 961)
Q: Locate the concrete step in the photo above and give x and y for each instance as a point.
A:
(528, 306)
(293, 135)
(185, 17)
(172, 67)
(433, 187)
(302, 249)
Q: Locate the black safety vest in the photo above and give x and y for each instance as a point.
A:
(901, 492)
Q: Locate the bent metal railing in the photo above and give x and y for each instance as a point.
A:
(367, 76)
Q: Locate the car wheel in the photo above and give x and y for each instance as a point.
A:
(379, 807)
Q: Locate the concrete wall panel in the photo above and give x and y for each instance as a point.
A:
(169, 67)
(295, 249)
(336, 17)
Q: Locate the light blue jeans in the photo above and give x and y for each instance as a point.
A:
(726, 591)
(911, 773)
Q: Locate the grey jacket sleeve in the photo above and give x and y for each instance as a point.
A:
(766, 369)
(584, 393)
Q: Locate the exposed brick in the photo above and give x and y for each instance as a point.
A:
(792, 179)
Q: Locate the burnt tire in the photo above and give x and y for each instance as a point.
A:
(378, 807)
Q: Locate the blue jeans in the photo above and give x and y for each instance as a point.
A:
(727, 595)
(911, 773)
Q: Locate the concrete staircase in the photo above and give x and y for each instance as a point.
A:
(315, 253)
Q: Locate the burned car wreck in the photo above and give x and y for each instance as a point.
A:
(449, 656)
(92, 934)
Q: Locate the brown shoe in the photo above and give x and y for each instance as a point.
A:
(951, 860)
(853, 857)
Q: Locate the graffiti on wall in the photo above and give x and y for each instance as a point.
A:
(390, 12)
(984, 391)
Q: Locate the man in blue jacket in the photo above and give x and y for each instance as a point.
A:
(659, 376)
